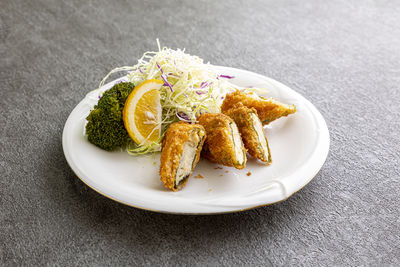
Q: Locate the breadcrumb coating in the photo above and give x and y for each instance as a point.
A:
(268, 110)
(172, 149)
(244, 118)
(219, 146)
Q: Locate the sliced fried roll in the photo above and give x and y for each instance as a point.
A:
(223, 143)
(267, 109)
(180, 153)
(251, 131)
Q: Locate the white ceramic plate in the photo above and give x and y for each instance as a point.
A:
(299, 146)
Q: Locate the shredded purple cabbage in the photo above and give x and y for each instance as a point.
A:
(159, 67)
(140, 69)
(183, 116)
(200, 92)
(203, 84)
(164, 78)
(226, 76)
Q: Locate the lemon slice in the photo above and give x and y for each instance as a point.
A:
(142, 112)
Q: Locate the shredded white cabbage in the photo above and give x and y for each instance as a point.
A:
(190, 87)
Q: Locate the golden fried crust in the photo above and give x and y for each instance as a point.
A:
(219, 147)
(172, 148)
(267, 109)
(243, 118)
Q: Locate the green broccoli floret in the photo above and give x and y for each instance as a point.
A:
(105, 127)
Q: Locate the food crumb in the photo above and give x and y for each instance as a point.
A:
(226, 171)
(218, 168)
(210, 190)
(248, 174)
(199, 176)
(220, 174)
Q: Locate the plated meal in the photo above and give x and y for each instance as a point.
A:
(176, 135)
(171, 102)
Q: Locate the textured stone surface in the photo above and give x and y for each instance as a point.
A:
(344, 56)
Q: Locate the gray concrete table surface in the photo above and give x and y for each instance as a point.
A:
(344, 56)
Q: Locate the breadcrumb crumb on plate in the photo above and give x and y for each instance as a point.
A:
(299, 145)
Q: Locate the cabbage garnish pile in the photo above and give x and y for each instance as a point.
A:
(191, 87)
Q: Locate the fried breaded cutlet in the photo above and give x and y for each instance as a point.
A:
(223, 143)
(267, 109)
(180, 153)
(251, 131)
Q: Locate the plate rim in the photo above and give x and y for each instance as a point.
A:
(323, 146)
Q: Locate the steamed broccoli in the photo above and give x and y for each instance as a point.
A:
(105, 127)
